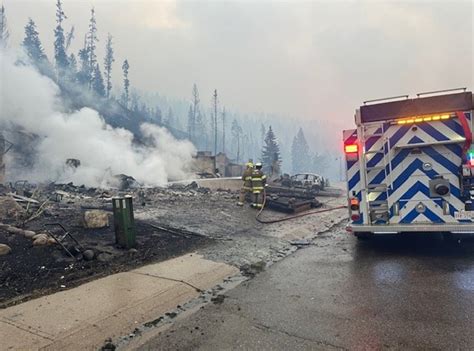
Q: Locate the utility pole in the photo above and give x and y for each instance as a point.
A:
(215, 128)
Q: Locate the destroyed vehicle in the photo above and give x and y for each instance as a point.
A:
(310, 181)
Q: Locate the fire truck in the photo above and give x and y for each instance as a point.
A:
(410, 166)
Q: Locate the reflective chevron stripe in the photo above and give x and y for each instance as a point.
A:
(404, 173)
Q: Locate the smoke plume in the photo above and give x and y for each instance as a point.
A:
(30, 103)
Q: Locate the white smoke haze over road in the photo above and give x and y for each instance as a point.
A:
(30, 102)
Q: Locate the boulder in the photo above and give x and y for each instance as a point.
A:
(5, 249)
(40, 239)
(29, 234)
(15, 230)
(88, 255)
(95, 219)
(9, 208)
(104, 257)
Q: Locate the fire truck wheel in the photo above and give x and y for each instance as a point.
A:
(364, 235)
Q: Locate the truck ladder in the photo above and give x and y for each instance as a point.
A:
(377, 205)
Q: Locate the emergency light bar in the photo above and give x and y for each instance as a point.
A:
(419, 107)
(418, 119)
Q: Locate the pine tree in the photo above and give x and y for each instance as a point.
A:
(91, 46)
(320, 163)
(158, 117)
(72, 69)
(4, 34)
(69, 38)
(98, 85)
(170, 120)
(236, 130)
(84, 75)
(300, 157)
(126, 83)
(201, 133)
(108, 61)
(270, 152)
(32, 44)
(202, 126)
(193, 116)
(191, 124)
(60, 56)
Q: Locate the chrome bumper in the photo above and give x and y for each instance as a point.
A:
(461, 228)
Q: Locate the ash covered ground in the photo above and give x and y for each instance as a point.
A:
(169, 222)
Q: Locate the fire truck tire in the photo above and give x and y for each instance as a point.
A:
(364, 235)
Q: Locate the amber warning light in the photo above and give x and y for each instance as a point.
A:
(351, 148)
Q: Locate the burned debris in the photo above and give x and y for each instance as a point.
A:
(58, 235)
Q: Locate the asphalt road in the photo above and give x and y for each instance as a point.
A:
(390, 293)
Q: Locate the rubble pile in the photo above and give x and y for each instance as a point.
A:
(58, 235)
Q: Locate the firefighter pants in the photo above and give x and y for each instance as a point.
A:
(244, 192)
(257, 199)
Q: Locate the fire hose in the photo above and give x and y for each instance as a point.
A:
(287, 218)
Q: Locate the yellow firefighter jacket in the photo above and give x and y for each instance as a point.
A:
(258, 180)
(247, 178)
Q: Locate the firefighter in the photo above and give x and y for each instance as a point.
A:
(259, 180)
(247, 186)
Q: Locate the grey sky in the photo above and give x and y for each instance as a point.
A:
(311, 60)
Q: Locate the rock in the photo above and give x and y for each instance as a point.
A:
(219, 299)
(104, 257)
(41, 241)
(250, 270)
(29, 234)
(300, 242)
(133, 251)
(5, 249)
(40, 235)
(88, 255)
(108, 346)
(14, 230)
(4, 226)
(95, 219)
(9, 208)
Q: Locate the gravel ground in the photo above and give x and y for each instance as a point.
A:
(224, 232)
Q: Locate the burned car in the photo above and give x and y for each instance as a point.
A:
(310, 181)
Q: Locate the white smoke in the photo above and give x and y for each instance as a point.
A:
(30, 101)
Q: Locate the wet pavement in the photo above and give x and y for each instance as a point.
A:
(390, 293)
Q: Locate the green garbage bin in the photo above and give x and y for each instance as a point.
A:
(124, 222)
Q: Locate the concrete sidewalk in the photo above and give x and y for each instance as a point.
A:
(83, 317)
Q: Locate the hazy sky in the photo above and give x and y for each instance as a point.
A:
(306, 59)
